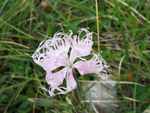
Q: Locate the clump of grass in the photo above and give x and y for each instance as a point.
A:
(124, 39)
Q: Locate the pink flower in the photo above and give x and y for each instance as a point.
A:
(54, 53)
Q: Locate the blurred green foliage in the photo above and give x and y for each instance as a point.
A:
(124, 30)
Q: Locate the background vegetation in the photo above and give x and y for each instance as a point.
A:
(124, 39)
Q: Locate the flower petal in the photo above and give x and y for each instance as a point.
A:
(61, 90)
(95, 65)
(52, 89)
(48, 62)
(53, 53)
(71, 83)
(60, 47)
(81, 47)
(56, 79)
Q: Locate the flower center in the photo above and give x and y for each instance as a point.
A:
(69, 63)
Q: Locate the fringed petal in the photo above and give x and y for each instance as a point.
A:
(48, 61)
(81, 46)
(71, 83)
(53, 53)
(61, 90)
(95, 65)
(56, 79)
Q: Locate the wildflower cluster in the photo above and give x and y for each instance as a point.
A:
(62, 51)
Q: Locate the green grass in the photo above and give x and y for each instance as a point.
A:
(124, 31)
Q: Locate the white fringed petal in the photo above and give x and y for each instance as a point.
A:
(56, 79)
(71, 83)
(52, 53)
(81, 46)
(95, 65)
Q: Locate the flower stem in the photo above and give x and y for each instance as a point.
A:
(75, 92)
